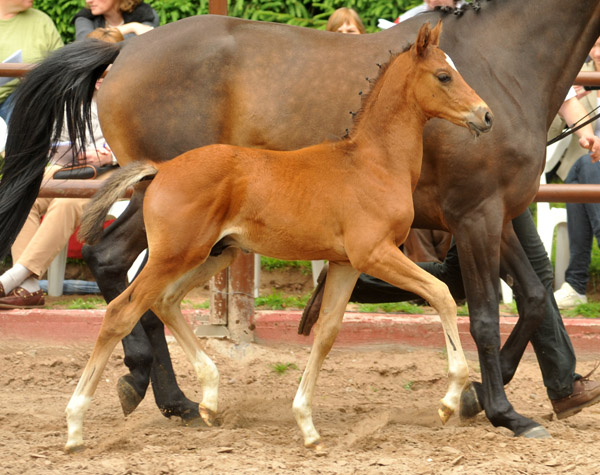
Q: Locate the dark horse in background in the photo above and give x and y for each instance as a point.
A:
(210, 80)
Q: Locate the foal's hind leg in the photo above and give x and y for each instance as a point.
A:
(168, 308)
(388, 263)
(121, 315)
(146, 351)
(339, 285)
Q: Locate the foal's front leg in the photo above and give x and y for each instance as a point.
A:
(388, 263)
(340, 282)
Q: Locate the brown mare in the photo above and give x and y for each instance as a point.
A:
(208, 80)
(349, 202)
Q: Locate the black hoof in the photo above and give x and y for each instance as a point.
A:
(187, 411)
(128, 396)
(537, 432)
(469, 403)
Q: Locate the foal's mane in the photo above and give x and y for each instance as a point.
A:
(368, 96)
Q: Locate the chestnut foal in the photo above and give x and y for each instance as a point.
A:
(349, 202)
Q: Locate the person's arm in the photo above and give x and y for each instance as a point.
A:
(134, 28)
(83, 27)
(571, 111)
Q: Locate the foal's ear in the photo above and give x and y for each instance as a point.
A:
(434, 37)
(427, 36)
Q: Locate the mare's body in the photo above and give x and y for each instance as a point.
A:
(222, 80)
(334, 201)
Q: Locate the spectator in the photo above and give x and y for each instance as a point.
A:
(130, 17)
(577, 166)
(345, 20)
(40, 241)
(29, 31)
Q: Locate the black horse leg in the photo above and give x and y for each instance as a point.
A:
(530, 295)
(479, 254)
(146, 352)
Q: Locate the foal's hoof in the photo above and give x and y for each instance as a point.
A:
(537, 432)
(445, 412)
(128, 396)
(208, 417)
(72, 449)
(318, 448)
(469, 403)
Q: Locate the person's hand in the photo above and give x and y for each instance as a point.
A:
(97, 157)
(592, 143)
(135, 28)
(580, 91)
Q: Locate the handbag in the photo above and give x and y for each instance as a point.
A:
(81, 172)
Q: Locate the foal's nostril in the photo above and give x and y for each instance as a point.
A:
(488, 119)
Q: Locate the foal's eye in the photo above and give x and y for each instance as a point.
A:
(444, 77)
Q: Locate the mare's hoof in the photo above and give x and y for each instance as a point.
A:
(128, 396)
(469, 403)
(537, 432)
(187, 411)
(445, 412)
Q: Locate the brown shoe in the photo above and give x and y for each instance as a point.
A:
(585, 393)
(2, 294)
(21, 298)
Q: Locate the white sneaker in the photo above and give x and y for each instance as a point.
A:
(567, 297)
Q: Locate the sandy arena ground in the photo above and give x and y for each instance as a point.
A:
(375, 409)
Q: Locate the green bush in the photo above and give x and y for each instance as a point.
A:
(294, 12)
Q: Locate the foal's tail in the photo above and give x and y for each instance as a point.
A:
(94, 216)
(61, 84)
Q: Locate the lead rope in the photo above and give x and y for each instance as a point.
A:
(575, 127)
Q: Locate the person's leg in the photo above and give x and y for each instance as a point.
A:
(550, 342)
(60, 220)
(579, 228)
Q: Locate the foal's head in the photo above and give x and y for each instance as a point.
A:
(439, 88)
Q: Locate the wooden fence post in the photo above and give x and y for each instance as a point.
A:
(232, 299)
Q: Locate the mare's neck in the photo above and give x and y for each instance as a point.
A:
(535, 57)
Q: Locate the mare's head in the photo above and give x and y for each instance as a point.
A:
(440, 89)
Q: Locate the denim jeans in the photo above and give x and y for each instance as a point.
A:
(550, 341)
(583, 223)
(6, 108)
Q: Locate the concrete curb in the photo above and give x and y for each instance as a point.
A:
(280, 327)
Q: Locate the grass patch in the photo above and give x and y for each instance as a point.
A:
(269, 263)
(281, 368)
(86, 304)
(585, 310)
(394, 307)
(277, 301)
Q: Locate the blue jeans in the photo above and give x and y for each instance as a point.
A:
(583, 223)
(6, 107)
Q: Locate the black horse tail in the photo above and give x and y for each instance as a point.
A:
(91, 227)
(59, 88)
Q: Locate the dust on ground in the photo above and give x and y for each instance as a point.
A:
(375, 408)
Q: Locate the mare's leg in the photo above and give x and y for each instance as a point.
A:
(340, 281)
(146, 351)
(479, 251)
(388, 263)
(531, 300)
